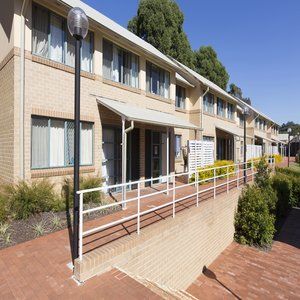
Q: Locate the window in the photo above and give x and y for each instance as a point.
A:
(257, 123)
(241, 119)
(208, 138)
(230, 111)
(120, 65)
(180, 97)
(221, 108)
(52, 143)
(51, 39)
(157, 80)
(177, 146)
(208, 103)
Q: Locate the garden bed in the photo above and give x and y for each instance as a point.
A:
(15, 232)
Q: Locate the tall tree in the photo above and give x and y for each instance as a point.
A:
(160, 23)
(208, 65)
(290, 124)
(237, 92)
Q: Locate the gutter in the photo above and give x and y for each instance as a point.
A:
(22, 91)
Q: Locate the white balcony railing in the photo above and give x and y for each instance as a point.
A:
(229, 177)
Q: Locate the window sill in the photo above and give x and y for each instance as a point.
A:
(159, 98)
(60, 66)
(39, 173)
(182, 110)
(121, 86)
(209, 114)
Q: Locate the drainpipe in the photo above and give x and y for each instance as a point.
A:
(207, 90)
(124, 157)
(22, 90)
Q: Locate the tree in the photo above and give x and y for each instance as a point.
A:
(160, 23)
(294, 126)
(237, 92)
(208, 65)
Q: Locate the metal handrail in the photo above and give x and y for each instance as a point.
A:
(171, 179)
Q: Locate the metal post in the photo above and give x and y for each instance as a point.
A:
(139, 209)
(214, 183)
(289, 149)
(197, 187)
(238, 177)
(80, 225)
(123, 164)
(227, 179)
(174, 195)
(76, 148)
(168, 161)
(245, 150)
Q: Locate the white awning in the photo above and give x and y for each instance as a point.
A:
(145, 115)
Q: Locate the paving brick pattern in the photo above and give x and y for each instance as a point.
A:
(248, 273)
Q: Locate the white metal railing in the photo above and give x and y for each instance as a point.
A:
(246, 166)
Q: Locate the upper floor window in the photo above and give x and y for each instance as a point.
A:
(157, 80)
(221, 108)
(208, 103)
(241, 120)
(120, 65)
(180, 97)
(230, 111)
(261, 125)
(51, 39)
(52, 143)
(257, 123)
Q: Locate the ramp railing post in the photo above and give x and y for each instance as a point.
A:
(214, 183)
(174, 195)
(139, 209)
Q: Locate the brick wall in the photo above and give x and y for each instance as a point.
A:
(171, 252)
(7, 119)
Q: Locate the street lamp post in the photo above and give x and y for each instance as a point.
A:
(289, 145)
(78, 26)
(245, 113)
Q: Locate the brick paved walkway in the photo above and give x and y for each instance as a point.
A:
(247, 273)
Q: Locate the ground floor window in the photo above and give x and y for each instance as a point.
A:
(52, 143)
(178, 144)
(208, 138)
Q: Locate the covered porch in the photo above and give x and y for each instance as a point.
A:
(137, 143)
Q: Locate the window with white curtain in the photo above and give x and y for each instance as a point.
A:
(208, 103)
(120, 65)
(52, 143)
(221, 108)
(177, 146)
(230, 111)
(180, 97)
(157, 80)
(51, 39)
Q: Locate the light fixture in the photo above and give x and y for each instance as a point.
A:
(78, 23)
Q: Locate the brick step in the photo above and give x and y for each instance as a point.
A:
(163, 291)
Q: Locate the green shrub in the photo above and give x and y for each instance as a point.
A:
(87, 182)
(254, 224)
(3, 208)
(278, 158)
(283, 185)
(262, 177)
(208, 172)
(26, 199)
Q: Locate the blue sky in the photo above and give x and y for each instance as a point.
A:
(258, 41)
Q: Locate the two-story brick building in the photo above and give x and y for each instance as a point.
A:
(125, 84)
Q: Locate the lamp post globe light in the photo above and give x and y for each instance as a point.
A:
(289, 131)
(78, 26)
(246, 112)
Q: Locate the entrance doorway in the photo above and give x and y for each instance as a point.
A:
(155, 155)
(112, 155)
(225, 145)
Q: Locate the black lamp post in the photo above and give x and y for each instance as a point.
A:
(78, 26)
(289, 145)
(245, 113)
